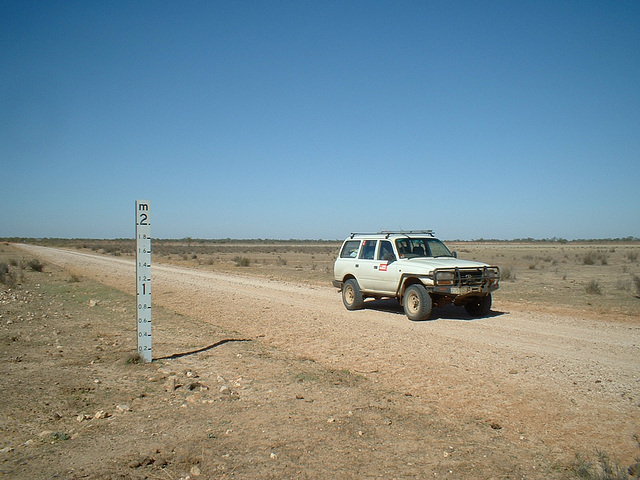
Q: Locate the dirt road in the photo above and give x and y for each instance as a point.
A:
(563, 382)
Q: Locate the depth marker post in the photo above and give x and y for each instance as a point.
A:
(143, 278)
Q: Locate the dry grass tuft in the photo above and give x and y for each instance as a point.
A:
(604, 468)
(242, 261)
(636, 282)
(35, 265)
(593, 288)
(593, 257)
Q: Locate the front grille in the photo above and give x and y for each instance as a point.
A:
(467, 277)
(470, 277)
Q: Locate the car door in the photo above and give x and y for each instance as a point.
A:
(386, 269)
(367, 265)
(346, 259)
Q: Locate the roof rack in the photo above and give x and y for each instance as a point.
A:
(398, 232)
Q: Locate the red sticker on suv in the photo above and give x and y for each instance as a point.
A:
(383, 267)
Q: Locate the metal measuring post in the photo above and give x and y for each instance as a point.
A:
(143, 278)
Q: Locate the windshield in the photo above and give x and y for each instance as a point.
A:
(421, 247)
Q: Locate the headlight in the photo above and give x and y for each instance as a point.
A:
(445, 278)
(493, 273)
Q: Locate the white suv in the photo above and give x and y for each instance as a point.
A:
(415, 268)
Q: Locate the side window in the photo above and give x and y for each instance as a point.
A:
(386, 250)
(368, 249)
(403, 247)
(350, 249)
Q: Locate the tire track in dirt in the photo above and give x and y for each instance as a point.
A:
(567, 382)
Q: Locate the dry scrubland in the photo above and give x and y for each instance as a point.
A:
(603, 277)
(81, 407)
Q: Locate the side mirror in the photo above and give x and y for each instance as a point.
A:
(389, 257)
(455, 254)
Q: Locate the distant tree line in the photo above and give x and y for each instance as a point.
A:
(259, 241)
(559, 240)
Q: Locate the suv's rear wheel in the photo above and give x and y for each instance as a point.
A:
(417, 302)
(479, 306)
(351, 295)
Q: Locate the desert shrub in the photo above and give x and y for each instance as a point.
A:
(636, 282)
(508, 273)
(623, 284)
(605, 468)
(112, 250)
(632, 256)
(242, 261)
(73, 278)
(593, 287)
(4, 271)
(591, 258)
(8, 277)
(35, 265)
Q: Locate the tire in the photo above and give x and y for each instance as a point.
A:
(351, 295)
(417, 303)
(479, 306)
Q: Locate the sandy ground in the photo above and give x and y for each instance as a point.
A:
(548, 385)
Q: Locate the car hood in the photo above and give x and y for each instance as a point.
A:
(429, 264)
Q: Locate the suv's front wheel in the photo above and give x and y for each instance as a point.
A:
(351, 295)
(417, 302)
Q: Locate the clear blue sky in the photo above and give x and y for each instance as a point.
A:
(498, 119)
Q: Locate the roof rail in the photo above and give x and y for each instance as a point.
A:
(408, 232)
(398, 232)
(353, 234)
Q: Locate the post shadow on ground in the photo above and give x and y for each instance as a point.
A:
(203, 349)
